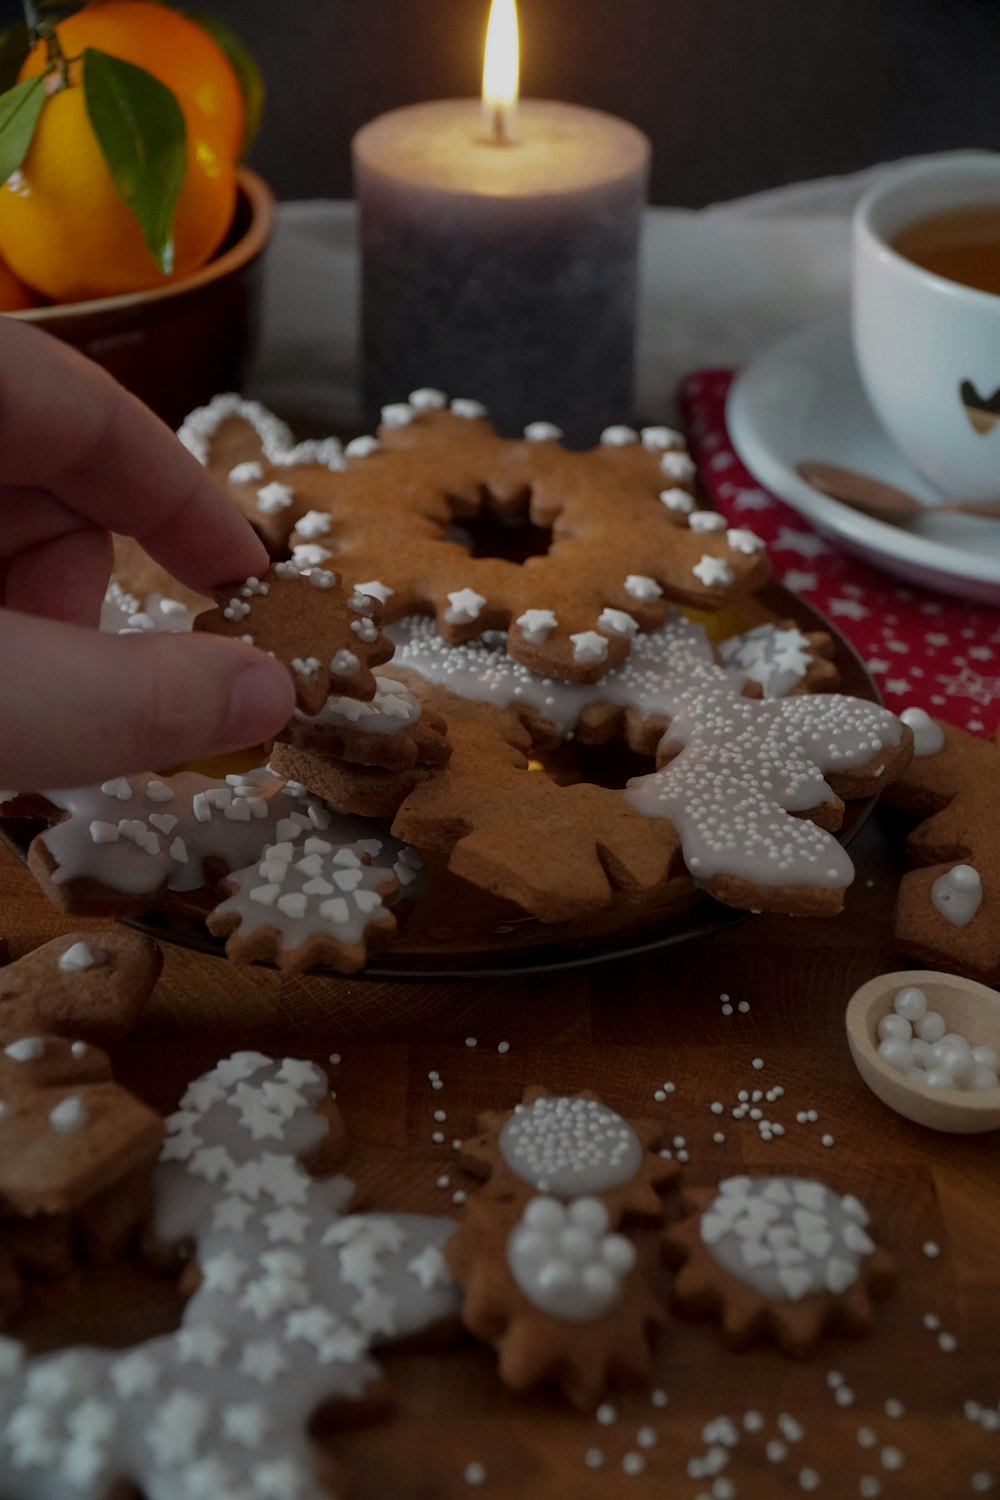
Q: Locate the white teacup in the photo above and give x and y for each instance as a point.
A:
(928, 348)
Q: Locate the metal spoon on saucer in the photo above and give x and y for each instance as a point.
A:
(884, 502)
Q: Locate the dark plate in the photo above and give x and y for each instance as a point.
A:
(458, 932)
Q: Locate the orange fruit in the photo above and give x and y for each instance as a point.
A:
(67, 232)
(175, 50)
(14, 295)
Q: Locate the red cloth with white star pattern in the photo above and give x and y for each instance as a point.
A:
(923, 649)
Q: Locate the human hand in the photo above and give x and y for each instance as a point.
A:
(79, 459)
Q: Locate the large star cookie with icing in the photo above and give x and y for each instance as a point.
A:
(624, 511)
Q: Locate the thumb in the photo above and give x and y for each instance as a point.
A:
(80, 707)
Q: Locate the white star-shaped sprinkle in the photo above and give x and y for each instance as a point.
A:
(232, 1213)
(262, 1361)
(310, 1324)
(376, 1313)
(466, 606)
(280, 1479)
(713, 570)
(588, 646)
(246, 1424)
(134, 1375)
(175, 1430)
(201, 1344)
(225, 1271)
(286, 1224)
(429, 1268)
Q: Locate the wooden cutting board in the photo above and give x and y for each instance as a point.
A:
(625, 1030)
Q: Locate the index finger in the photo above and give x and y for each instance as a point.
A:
(68, 427)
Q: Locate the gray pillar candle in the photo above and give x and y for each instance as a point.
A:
(505, 272)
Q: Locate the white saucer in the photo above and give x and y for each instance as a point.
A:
(803, 399)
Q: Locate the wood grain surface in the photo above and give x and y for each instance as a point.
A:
(625, 1030)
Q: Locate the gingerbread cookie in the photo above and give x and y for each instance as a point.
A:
(633, 702)
(546, 1276)
(324, 901)
(735, 778)
(76, 1149)
(948, 914)
(620, 513)
(782, 659)
(559, 852)
(290, 1295)
(391, 731)
(572, 1146)
(327, 636)
(368, 791)
(783, 1258)
(118, 848)
(561, 1295)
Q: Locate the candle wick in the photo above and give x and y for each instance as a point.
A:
(501, 136)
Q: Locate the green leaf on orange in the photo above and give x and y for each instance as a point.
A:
(140, 129)
(19, 111)
(244, 65)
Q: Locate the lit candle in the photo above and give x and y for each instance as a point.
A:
(500, 251)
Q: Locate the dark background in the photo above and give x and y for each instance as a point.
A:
(737, 95)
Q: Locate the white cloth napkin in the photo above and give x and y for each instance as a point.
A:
(719, 284)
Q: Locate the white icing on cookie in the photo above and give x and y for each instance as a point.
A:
(80, 956)
(744, 767)
(399, 414)
(776, 657)
(325, 887)
(787, 1237)
(712, 571)
(566, 1262)
(275, 437)
(643, 588)
(428, 398)
(274, 497)
(588, 646)
(229, 821)
(656, 439)
(470, 410)
(678, 500)
(313, 525)
(928, 737)
(569, 1146)
(466, 606)
(123, 614)
(393, 708)
(376, 590)
(619, 436)
(293, 1296)
(617, 622)
(958, 894)
(536, 625)
(362, 447)
(678, 465)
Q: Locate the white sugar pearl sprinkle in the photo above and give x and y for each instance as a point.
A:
(475, 1474)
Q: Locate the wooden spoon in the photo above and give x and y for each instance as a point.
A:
(967, 1007)
(884, 502)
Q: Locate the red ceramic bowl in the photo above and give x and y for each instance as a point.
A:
(177, 345)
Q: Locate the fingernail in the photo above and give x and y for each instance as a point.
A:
(261, 703)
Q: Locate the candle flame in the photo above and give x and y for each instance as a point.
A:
(501, 71)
